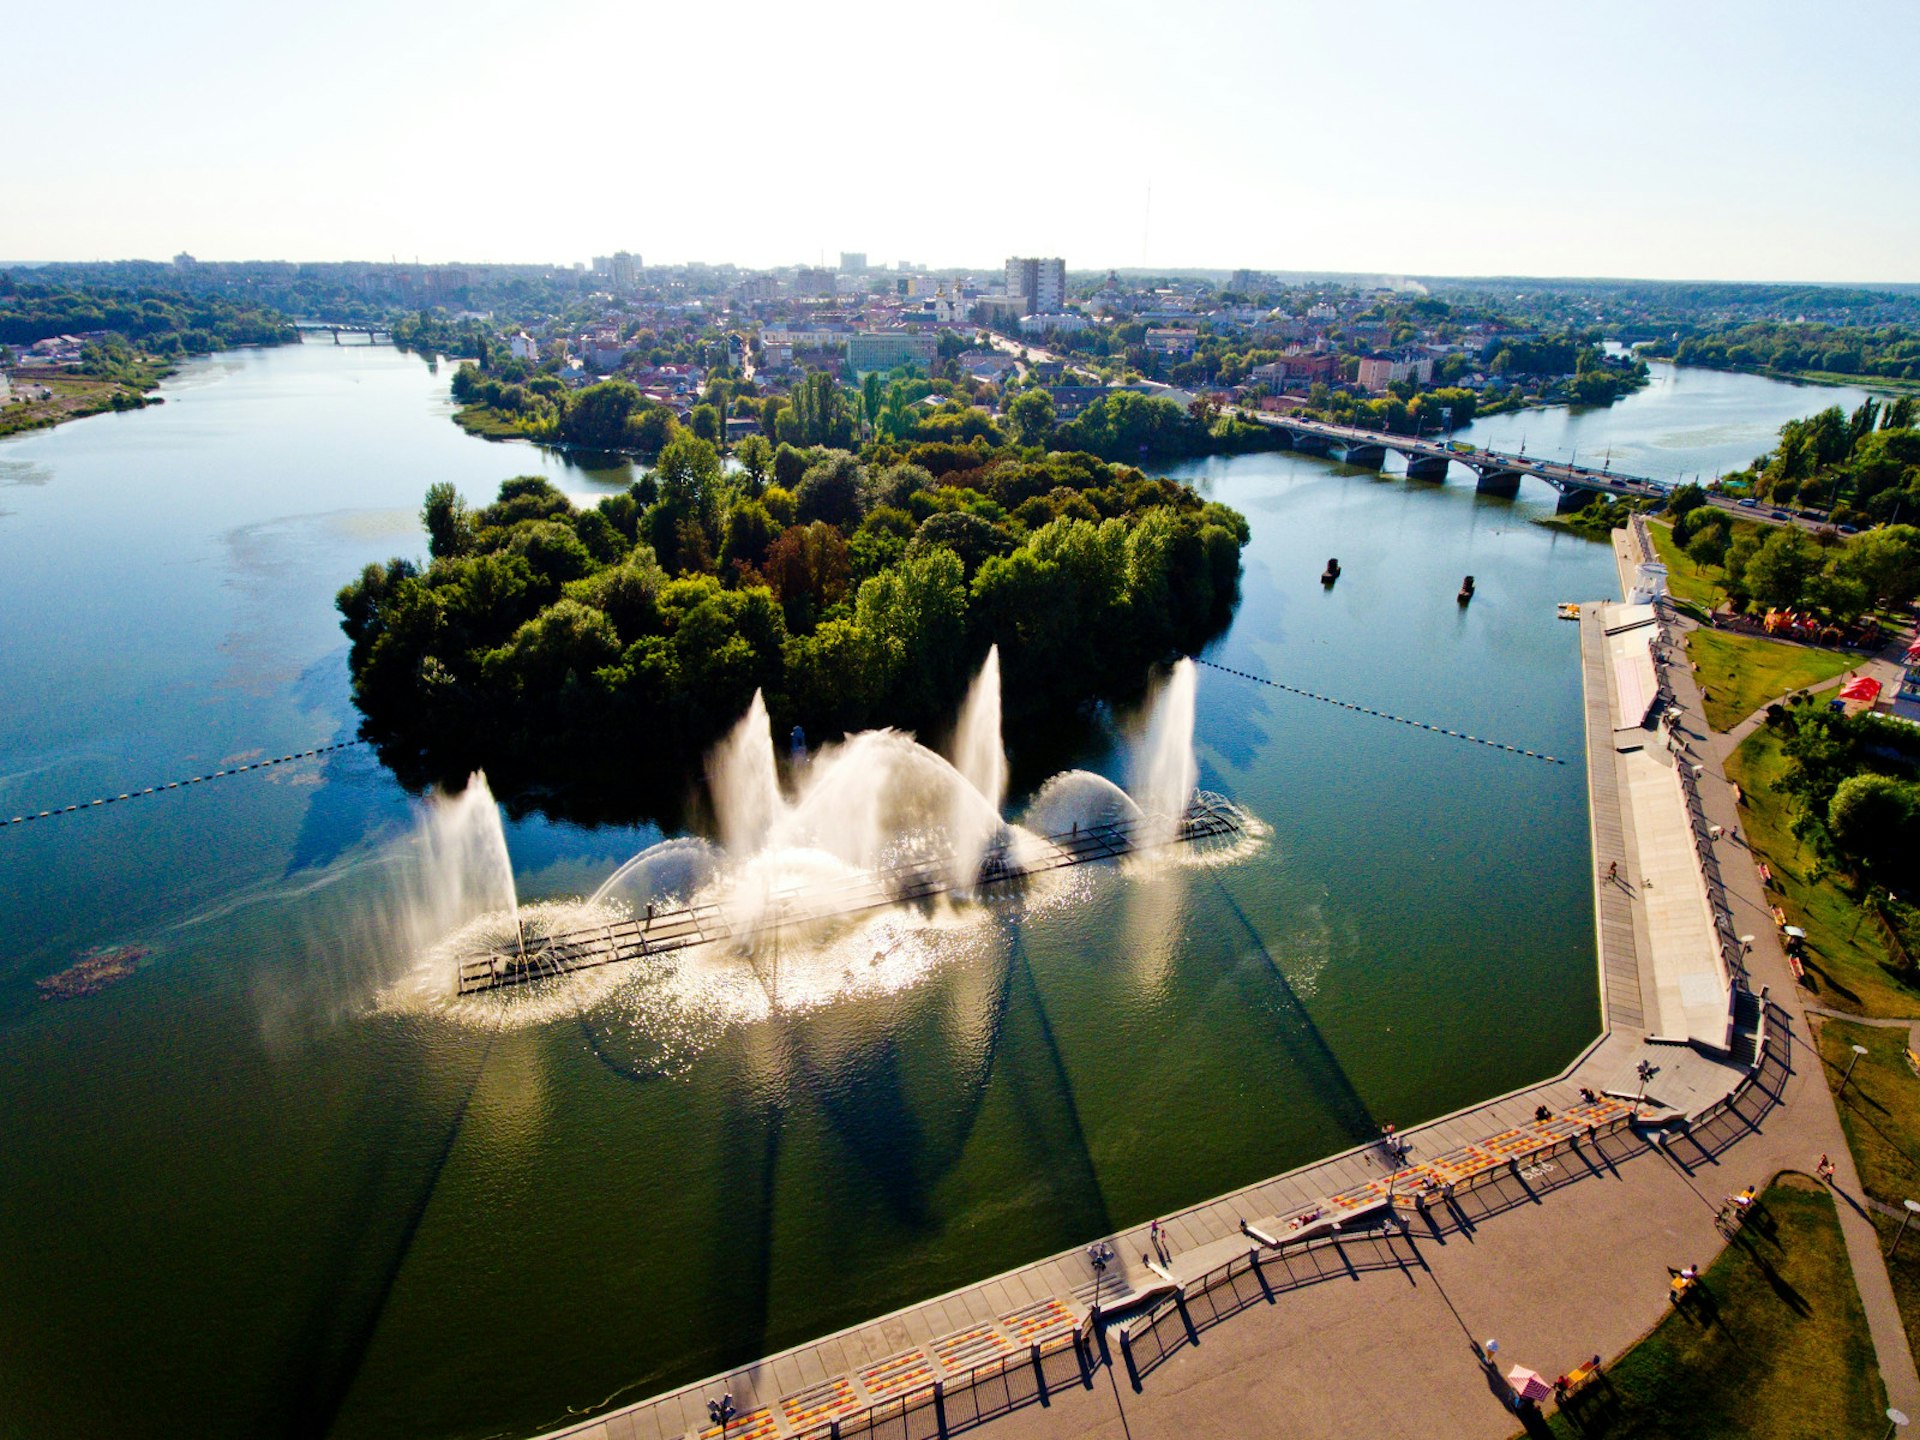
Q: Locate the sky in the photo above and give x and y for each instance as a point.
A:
(1680, 139)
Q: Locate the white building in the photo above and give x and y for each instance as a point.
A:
(1059, 321)
(524, 347)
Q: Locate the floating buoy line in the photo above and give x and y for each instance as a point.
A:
(1382, 714)
(178, 784)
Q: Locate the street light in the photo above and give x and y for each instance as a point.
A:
(1099, 1253)
(1858, 1051)
(1896, 1419)
(721, 1411)
(1646, 1071)
(1913, 1209)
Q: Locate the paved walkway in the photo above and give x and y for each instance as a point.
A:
(1817, 1115)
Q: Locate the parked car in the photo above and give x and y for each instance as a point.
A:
(1781, 515)
(1849, 529)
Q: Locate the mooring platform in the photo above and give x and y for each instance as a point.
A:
(663, 932)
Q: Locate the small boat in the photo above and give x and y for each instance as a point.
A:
(1466, 590)
(1331, 573)
(1569, 611)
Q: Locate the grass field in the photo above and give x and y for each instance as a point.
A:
(1740, 673)
(1880, 1111)
(1775, 1349)
(1685, 580)
(486, 422)
(1847, 965)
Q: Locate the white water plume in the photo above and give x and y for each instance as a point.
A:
(744, 783)
(464, 868)
(1165, 770)
(981, 758)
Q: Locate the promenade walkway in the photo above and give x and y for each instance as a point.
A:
(1346, 1297)
(1816, 1115)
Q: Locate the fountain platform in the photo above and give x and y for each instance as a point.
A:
(663, 932)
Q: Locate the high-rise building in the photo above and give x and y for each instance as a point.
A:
(623, 270)
(1041, 284)
(814, 282)
(853, 262)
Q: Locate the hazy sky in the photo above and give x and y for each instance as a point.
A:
(1741, 141)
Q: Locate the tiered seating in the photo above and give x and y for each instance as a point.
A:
(1040, 1322)
(754, 1425)
(908, 1374)
(972, 1347)
(814, 1408)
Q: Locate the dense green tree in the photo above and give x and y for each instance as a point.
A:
(832, 490)
(1778, 573)
(1876, 819)
(449, 523)
(1032, 416)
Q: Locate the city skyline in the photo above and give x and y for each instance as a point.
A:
(1701, 144)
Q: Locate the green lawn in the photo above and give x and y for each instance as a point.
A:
(1740, 673)
(1685, 580)
(1776, 1348)
(1847, 966)
(1881, 1114)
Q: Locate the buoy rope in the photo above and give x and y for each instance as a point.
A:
(179, 784)
(1382, 714)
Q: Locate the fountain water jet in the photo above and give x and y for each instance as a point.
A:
(744, 784)
(464, 867)
(981, 758)
(1165, 771)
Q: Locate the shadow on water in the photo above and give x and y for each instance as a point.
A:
(1303, 1043)
(907, 1149)
(334, 1340)
(740, 1271)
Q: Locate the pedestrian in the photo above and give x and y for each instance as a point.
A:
(1613, 871)
(1824, 1170)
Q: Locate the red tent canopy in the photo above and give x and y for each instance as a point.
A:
(1865, 687)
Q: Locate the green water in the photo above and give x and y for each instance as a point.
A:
(244, 1196)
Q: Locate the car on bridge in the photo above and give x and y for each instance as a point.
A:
(1749, 504)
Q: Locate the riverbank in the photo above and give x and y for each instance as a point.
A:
(58, 396)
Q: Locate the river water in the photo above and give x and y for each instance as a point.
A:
(248, 1192)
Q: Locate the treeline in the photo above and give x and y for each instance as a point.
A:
(435, 332)
(1785, 567)
(162, 323)
(1855, 790)
(1862, 467)
(1891, 352)
(552, 642)
(1404, 410)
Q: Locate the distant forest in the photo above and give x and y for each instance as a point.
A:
(158, 323)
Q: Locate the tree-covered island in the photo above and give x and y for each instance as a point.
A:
(611, 644)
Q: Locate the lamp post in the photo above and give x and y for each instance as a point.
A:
(1896, 1420)
(1099, 1253)
(1858, 1051)
(1913, 1209)
(1645, 1071)
(721, 1411)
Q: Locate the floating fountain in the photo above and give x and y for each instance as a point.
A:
(873, 822)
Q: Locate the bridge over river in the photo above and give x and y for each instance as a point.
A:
(1498, 472)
